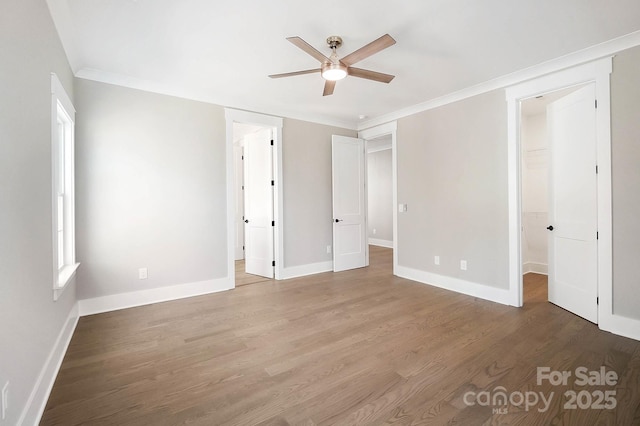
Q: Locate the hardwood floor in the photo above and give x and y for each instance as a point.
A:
(357, 347)
(242, 278)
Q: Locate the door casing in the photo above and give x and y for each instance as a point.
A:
(597, 72)
(373, 133)
(276, 123)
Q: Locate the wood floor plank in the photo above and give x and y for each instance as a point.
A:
(356, 347)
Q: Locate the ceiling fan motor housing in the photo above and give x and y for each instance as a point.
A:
(334, 42)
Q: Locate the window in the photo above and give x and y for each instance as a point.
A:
(63, 203)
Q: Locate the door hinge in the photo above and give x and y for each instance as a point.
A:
(596, 103)
(273, 223)
(243, 187)
(597, 235)
(273, 263)
(597, 300)
(272, 183)
(271, 142)
(242, 158)
(242, 247)
(596, 169)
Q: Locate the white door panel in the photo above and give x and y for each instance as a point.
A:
(349, 227)
(258, 203)
(573, 255)
(239, 207)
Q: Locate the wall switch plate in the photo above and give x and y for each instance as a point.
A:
(463, 265)
(402, 208)
(142, 273)
(375, 231)
(436, 260)
(328, 249)
(5, 400)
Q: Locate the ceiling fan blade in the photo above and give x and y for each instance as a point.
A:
(308, 48)
(328, 87)
(291, 74)
(370, 75)
(368, 50)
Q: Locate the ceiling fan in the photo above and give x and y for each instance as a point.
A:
(333, 69)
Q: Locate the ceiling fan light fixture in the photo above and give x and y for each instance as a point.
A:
(334, 72)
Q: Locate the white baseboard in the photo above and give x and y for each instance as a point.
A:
(469, 288)
(304, 270)
(40, 394)
(536, 268)
(115, 302)
(381, 243)
(620, 325)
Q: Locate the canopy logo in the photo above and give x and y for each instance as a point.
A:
(499, 399)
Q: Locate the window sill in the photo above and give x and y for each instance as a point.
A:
(64, 276)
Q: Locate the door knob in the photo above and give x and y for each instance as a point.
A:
(550, 227)
(246, 221)
(338, 220)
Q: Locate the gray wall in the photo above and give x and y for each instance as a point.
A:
(150, 191)
(380, 195)
(31, 319)
(452, 173)
(625, 147)
(306, 151)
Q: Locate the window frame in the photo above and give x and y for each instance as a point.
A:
(63, 187)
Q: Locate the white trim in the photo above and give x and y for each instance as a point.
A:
(591, 53)
(375, 132)
(469, 288)
(62, 109)
(64, 277)
(621, 325)
(597, 72)
(132, 299)
(58, 90)
(276, 123)
(381, 243)
(309, 269)
(371, 150)
(200, 96)
(588, 54)
(535, 267)
(37, 401)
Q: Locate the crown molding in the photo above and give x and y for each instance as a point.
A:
(579, 57)
(198, 95)
(598, 51)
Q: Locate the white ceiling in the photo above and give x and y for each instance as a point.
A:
(222, 51)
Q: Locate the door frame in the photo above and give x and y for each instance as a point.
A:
(276, 124)
(597, 72)
(373, 133)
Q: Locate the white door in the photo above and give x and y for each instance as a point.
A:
(238, 185)
(349, 230)
(573, 283)
(258, 204)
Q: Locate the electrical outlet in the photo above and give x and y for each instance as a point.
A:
(5, 400)
(402, 208)
(463, 265)
(329, 249)
(436, 260)
(142, 274)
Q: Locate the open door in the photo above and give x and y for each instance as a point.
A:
(258, 204)
(349, 227)
(573, 256)
(238, 185)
